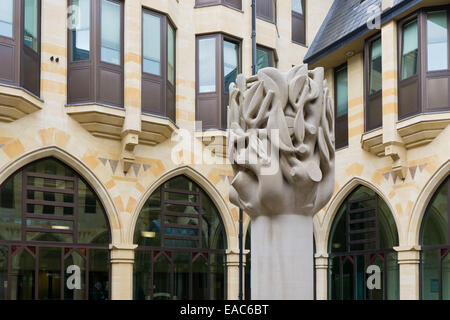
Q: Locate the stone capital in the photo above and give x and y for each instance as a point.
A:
(408, 254)
(122, 254)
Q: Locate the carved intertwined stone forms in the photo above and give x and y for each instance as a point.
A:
(284, 121)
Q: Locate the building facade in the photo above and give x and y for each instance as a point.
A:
(114, 183)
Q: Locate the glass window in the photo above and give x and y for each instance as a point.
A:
(375, 67)
(410, 49)
(81, 29)
(230, 64)
(263, 59)
(31, 21)
(111, 35)
(342, 92)
(152, 44)
(437, 41)
(170, 54)
(207, 65)
(297, 6)
(6, 18)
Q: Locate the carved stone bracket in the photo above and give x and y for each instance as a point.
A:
(397, 152)
(130, 139)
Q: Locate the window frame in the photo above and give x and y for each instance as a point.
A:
(342, 121)
(219, 98)
(166, 87)
(272, 54)
(226, 3)
(302, 20)
(423, 76)
(94, 91)
(261, 16)
(21, 55)
(371, 97)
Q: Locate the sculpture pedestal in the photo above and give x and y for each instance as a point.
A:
(282, 258)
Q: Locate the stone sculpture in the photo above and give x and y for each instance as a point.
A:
(281, 147)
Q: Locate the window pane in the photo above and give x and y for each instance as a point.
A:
(30, 36)
(375, 67)
(410, 50)
(6, 18)
(207, 65)
(81, 33)
(152, 44)
(111, 36)
(297, 6)
(262, 59)
(430, 274)
(170, 54)
(98, 274)
(437, 41)
(4, 256)
(49, 273)
(435, 226)
(230, 63)
(342, 92)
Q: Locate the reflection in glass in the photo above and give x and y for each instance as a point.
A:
(375, 67)
(348, 280)
(31, 20)
(230, 63)
(11, 209)
(22, 286)
(435, 225)
(3, 273)
(263, 59)
(49, 273)
(297, 6)
(75, 259)
(81, 29)
(181, 275)
(152, 44)
(217, 271)
(437, 42)
(148, 230)
(170, 54)
(142, 275)
(111, 32)
(430, 274)
(207, 65)
(6, 18)
(161, 279)
(98, 274)
(342, 92)
(446, 277)
(410, 49)
(200, 279)
(392, 277)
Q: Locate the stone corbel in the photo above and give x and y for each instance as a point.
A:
(122, 253)
(130, 139)
(408, 254)
(397, 152)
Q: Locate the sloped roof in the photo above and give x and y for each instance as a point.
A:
(345, 21)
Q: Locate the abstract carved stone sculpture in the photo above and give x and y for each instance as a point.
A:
(281, 147)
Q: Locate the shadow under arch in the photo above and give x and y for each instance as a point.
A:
(52, 151)
(421, 205)
(208, 188)
(322, 238)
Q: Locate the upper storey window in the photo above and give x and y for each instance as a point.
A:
(265, 57)
(20, 28)
(373, 86)
(341, 101)
(158, 65)
(266, 10)
(218, 64)
(231, 3)
(298, 21)
(96, 62)
(424, 79)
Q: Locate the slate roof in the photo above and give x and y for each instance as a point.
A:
(345, 21)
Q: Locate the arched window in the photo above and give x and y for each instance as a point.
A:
(361, 248)
(181, 238)
(54, 236)
(435, 262)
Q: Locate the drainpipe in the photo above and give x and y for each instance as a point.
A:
(253, 37)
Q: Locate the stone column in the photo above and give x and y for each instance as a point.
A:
(355, 69)
(409, 262)
(122, 262)
(321, 276)
(233, 273)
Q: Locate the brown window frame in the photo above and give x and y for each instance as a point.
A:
(150, 82)
(419, 83)
(235, 4)
(271, 15)
(341, 123)
(103, 82)
(218, 100)
(299, 21)
(24, 62)
(373, 101)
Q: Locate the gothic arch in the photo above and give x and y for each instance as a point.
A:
(206, 185)
(111, 213)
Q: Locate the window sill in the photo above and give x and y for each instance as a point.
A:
(218, 4)
(100, 120)
(16, 103)
(422, 129)
(156, 130)
(267, 20)
(372, 142)
(214, 140)
(300, 44)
